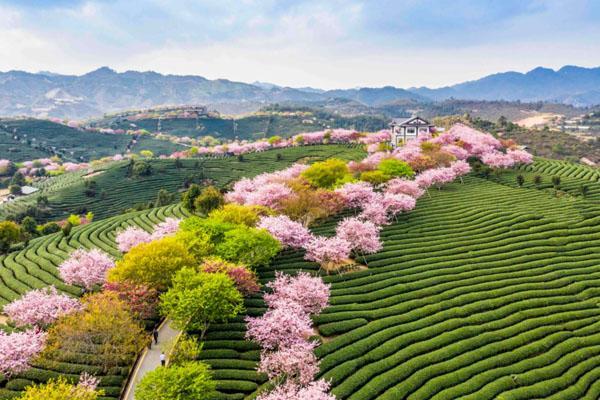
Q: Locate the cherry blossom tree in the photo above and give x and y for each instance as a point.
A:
(397, 203)
(358, 194)
(17, 349)
(280, 327)
(168, 227)
(363, 235)
(317, 390)
(131, 237)
(496, 159)
(269, 195)
(404, 186)
(328, 252)
(86, 268)
(296, 363)
(375, 212)
(289, 233)
(40, 307)
(309, 292)
(460, 168)
(520, 156)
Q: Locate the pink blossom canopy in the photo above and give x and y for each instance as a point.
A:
(309, 292)
(86, 268)
(131, 237)
(290, 233)
(327, 250)
(18, 348)
(40, 307)
(363, 235)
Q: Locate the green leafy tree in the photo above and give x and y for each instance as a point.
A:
(198, 299)
(190, 195)
(48, 228)
(239, 214)
(66, 229)
(396, 168)
(15, 189)
(520, 180)
(10, 233)
(556, 181)
(186, 349)
(153, 264)
(327, 174)
(198, 244)
(141, 168)
(210, 199)
(248, 246)
(189, 381)
(213, 228)
(537, 180)
(584, 190)
(18, 179)
(163, 198)
(29, 225)
(146, 153)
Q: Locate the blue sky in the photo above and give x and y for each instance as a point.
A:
(320, 43)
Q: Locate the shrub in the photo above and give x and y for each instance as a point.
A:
(520, 180)
(395, 168)
(209, 199)
(198, 299)
(249, 246)
(10, 233)
(48, 228)
(327, 174)
(153, 264)
(188, 381)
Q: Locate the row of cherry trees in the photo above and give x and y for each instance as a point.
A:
(284, 332)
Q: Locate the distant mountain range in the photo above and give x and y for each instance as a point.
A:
(104, 90)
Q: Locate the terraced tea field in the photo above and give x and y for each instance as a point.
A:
(36, 267)
(485, 291)
(117, 192)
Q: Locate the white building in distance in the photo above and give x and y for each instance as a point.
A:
(404, 130)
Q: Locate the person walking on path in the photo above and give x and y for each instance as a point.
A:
(163, 359)
(155, 335)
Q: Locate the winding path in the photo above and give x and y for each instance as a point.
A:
(150, 359)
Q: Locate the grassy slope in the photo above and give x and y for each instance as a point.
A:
(485, 291)
(120, 192)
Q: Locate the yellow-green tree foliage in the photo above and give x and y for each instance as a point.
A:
(327, 174)
(154, 263)
(105, 328)
(59, 389)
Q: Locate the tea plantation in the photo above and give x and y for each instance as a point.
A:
(36, 267)
(116, 191)
(486, 291)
